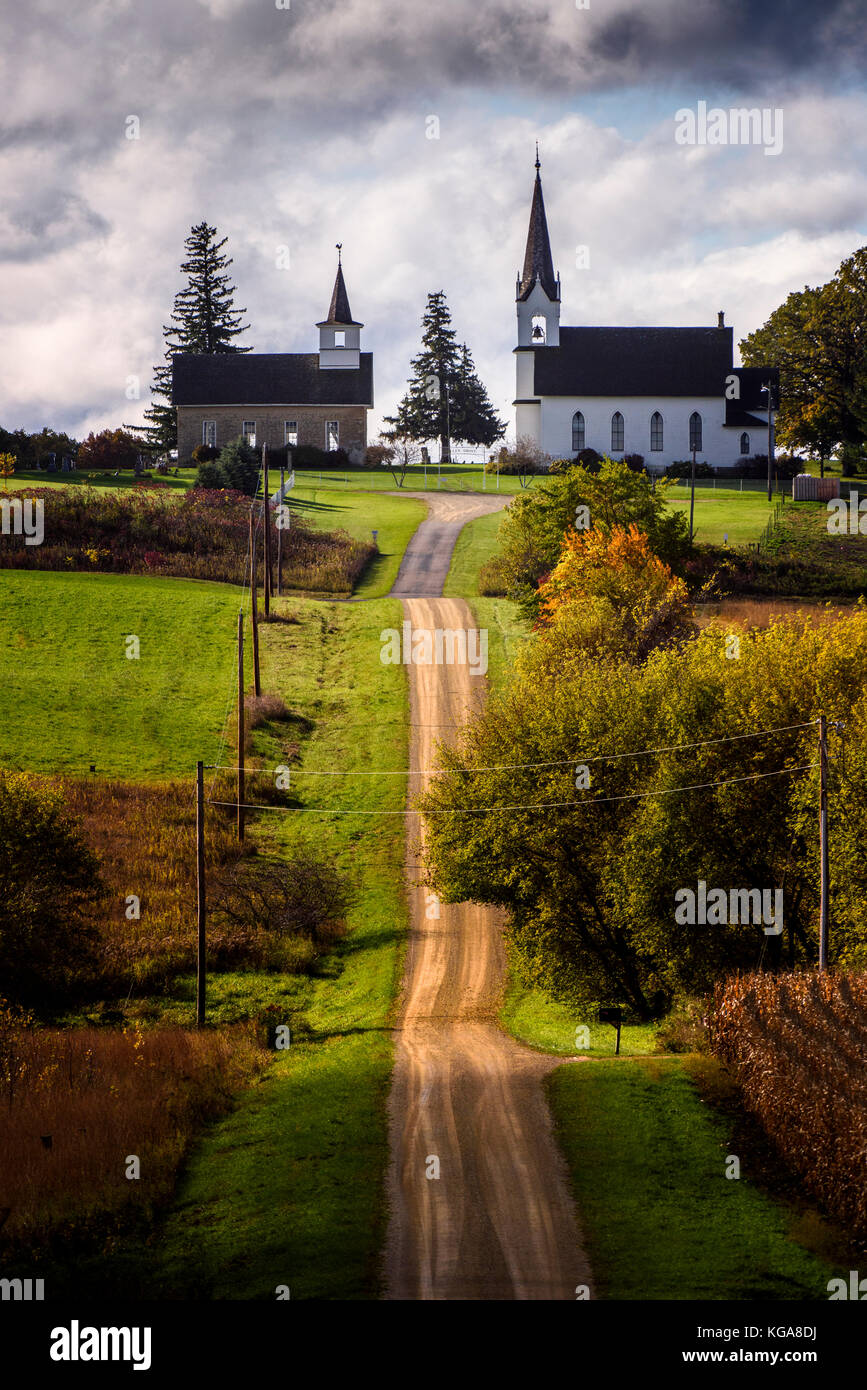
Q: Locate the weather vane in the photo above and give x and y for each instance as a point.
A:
(339, 245)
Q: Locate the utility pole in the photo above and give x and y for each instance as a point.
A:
(769, 387)
(254, 608)
(824, 910)
(692, 496)
(280, 536)
(241, 726)
(266, 522)
(200, 895)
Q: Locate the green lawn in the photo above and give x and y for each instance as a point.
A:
(394, 519)
(647, 1160)
(531, 1017)
(29, 478)
(71, 697)
(289, 1189)
(476, 543)
(742, 516)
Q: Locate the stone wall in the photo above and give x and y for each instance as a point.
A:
(311, 420)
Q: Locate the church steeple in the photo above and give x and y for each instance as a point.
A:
(538, 289)
(339, 333)
(538, 261)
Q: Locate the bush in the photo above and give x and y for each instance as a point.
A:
(682, 468)
(494, 578)
(51, 886)
(205, 453)
(589, 458)
(241, 465)
(525, 460)
(561, 465)
(308, 456)
(686, 1027)
(635, 462)
(377, 456)
(211, 475)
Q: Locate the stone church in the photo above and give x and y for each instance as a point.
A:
(658, 392)
(281, 398)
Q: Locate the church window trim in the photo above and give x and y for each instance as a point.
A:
(657, 432)
(578, 432)
(617, 433)
(695, 432)
(745, 444)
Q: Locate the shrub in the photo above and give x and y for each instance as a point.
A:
(494, 578)
(682, 468)
(686, 1027)
(377, 455)
(211, 474)
(525, 460)
(205, 453)
(108, 449)
(241, 466)
(561, 465)
(50, 887)
(259, 709)
(589, 458)
(635, 462)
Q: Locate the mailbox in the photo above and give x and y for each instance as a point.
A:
(614, 1015)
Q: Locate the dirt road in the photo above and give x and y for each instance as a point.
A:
(498, 1222)
(426, 562)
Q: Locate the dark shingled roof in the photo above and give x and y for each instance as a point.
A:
(339, 311)
(635, 362)
(538, 262)
(268, 378)
(752, 397)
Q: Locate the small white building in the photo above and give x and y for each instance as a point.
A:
(657, 392)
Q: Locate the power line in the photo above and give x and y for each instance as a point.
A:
(527, 806)
(510, 767)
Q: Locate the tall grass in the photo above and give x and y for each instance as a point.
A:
(203, 535)
(796, 1045)
(77, 1104)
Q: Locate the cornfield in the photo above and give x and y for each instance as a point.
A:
(797, 1046)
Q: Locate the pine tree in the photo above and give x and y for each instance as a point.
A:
(473, 419)
(445, 399)
(204, 320)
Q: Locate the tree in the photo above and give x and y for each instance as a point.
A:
(400, 453)
(445, 399)
(204, 320)
(7, 468)
(818, 340)
(610, 593)
(525, 459)
(49, 887)
(621, 786)
(109, 449)
(531, 533)
(238, 466)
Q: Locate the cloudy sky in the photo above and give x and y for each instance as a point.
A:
(301, 123)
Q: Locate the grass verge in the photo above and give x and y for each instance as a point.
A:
(647, 1156)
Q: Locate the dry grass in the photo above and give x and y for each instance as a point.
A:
(796, 1046)
(761, 612)
(98, 1096)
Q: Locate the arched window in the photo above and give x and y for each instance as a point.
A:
(577, 432)
(616, 433)
(745, 443)
(694, 431)
(656, 430)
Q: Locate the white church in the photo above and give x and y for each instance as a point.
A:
(658, 392)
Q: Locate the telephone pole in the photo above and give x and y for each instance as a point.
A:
(824, 908)
(241, 726)
(266, 523)
(200, 895)
(254, 608)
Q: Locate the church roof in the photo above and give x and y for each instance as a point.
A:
(339, 312)
(538, 261)
(268, 378)
(635, 362)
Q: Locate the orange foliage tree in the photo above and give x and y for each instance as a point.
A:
(613, 593)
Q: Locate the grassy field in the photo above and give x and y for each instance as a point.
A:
(647, 1158)
(531, 1017)
(394, 519)
(742, 516)
(476, 543)
(71, 697)
(289, 1188)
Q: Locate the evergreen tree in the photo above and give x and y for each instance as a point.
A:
(204, 320)
(445, 399)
